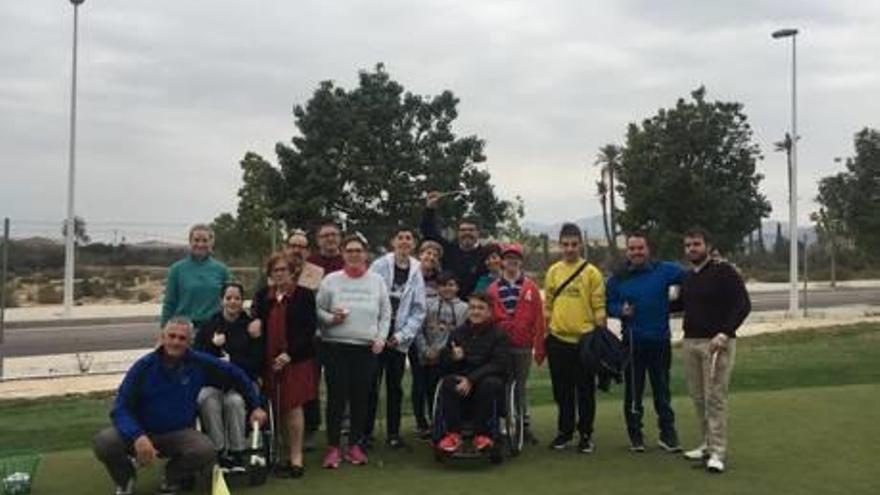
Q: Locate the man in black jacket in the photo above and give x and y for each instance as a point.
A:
(477, 358)
(715, 304)
(466, 257)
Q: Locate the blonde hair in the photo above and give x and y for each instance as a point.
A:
(201, 227)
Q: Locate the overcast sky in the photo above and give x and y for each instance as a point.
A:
(172, 93)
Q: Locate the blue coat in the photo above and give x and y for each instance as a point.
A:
(647, 289)
(156, 399)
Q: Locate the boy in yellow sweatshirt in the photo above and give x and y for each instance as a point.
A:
(574, 292)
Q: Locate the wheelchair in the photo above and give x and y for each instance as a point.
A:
(261, 452)
(507, 428)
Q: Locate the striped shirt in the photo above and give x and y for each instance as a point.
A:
(508, 293)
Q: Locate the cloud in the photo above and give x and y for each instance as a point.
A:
(173, 93)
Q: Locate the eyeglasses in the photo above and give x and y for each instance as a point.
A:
(329, 234)
(298, 246)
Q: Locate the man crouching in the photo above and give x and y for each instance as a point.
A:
(155, 410)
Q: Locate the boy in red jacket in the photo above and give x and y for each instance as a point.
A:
(518, 309)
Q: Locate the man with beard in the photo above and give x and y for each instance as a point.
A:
(464, 258)
(715, 303)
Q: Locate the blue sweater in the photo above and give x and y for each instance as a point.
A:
(156, 399)
(647, 289)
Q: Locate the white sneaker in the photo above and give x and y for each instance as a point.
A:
(697, 454)
(715, 464)
(126, 489)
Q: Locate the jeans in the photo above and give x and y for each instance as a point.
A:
(573, 388)
(653, 358)
(391, 366)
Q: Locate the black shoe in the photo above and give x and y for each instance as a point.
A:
(236, 462)
(289, 471)
(585, 445)
(669, 442)
(636, 441)
(172, 488)
(424, 433)
(560, 442)
(395, 443)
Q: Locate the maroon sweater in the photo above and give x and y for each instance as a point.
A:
(329, 264)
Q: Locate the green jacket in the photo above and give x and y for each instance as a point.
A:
(193, 289)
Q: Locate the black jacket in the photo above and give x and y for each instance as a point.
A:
(604, 355)
(467, 266)
(244, 351)
(714, 300)
(486, 352)
(302, 321)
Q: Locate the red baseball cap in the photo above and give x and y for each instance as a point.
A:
(512, 248)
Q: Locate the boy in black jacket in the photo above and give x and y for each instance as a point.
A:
(477, 359)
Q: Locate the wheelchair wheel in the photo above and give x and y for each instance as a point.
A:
(514, 422)
(437, 424)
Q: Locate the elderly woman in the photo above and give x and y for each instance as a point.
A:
(194, 282)
(355, 311)
(230, 335)
(287, 313)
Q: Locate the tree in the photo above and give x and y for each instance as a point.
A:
(693, 164)
(367, 155)
(80, 237)
(253, 233)
(608, 160)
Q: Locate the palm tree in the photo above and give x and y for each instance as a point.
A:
(609, 161)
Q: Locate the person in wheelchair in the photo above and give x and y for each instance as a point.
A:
(232, 336)
(477, 361)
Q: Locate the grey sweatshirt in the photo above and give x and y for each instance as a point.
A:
(366, 300)
(442, 318)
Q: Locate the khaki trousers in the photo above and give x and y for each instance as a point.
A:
(708, 378)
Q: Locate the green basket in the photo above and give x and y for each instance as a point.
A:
(17, 472)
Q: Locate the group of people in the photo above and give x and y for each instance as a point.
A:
(462, 313)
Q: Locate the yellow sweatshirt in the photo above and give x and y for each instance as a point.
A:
(580, 306)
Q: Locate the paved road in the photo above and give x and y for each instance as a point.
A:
(57, 340)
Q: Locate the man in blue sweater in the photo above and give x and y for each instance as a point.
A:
(155, 410)
(638, 294)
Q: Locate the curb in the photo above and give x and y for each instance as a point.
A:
(80, 322)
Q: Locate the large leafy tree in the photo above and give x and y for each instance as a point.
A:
(850, 201)
(693, 164)
(367, 155)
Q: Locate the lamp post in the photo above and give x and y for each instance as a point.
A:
(792, 180)
(70, 222)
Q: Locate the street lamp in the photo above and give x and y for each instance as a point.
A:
(70, 222)
(792, 179)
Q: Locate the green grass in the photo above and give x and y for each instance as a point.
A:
(822, 357)
(814, 440)
(803, 421)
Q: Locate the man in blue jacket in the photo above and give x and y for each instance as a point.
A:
(638, 294)
(155, 410)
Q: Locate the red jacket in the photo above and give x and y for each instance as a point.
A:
(526, 326)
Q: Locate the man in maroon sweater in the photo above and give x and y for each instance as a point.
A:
(328, 256)
(715, 304)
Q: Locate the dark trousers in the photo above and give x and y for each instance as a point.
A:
(188, 452)
(392, 364)
(480, 405)
(348, 374)
(418, 392)
(573, 387)
(312, 409)
(653, 358)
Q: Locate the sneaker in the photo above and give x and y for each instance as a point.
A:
(560, 442)
(395, 443)
(715, 464)
(585, 445)
(698, 454)
(450, 443)
(424, 433)
(171, 488)
(636, 441)
(127, 488)
(356, 455)
(669, 442)
(482, 442)
(332, 458)
(236, 462)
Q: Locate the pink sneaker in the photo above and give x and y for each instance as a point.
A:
(356, 455)
(332, 458)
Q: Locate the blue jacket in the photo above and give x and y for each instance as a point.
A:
(156, 399)
(412, 309)
(647, 289)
